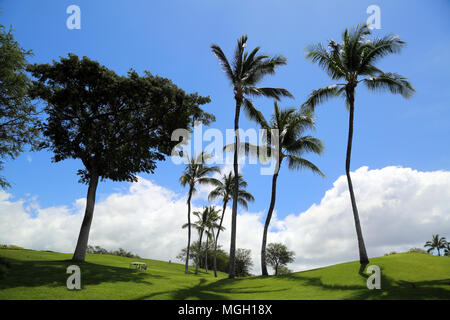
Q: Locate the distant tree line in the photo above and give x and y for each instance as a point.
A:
(121, 252)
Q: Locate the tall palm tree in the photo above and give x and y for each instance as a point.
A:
(196, 173)
(353, 62)
(244, 73)
(437, 243)
(206, 220)
(224, 191)
(291, 144)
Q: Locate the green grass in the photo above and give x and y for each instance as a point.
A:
(42, 275)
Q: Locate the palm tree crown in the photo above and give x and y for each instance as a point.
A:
(353, 61)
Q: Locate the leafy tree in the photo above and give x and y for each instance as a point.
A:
(223, 191)
(436, 243)
(243, 262)
(353, 62)
(244, 73)
(278, 255)
(195, 173)
(117, 126)
(18, 117)
(291, 144)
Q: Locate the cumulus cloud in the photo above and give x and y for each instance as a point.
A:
(399, 208)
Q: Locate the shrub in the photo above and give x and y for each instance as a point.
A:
(14, 247)
(417, 250)
(390, 253)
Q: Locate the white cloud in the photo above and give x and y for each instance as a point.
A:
(399, 208)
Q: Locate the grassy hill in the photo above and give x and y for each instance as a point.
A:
(42, 275)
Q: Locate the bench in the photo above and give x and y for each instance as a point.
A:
(138, 265)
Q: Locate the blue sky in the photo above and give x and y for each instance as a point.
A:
(172, 39)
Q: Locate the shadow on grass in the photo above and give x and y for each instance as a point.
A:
(53, 273)
(209, 291)
(390, 289)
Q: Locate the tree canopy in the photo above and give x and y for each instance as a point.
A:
(117, 125)
(18, 117)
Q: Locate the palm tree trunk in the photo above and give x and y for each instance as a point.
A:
(206, 253)
(217, 238)
(266, 225)
(186, 266)
(83, 237)
(199, 251)
(231, 273)
(363, 259)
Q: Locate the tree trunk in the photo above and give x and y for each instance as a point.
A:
(363, 259)
(276, 269)
(231, 273)
(217, 238)
(186, 266)
(206, 253)
(199, 251)
(269, 216)
(83, 237)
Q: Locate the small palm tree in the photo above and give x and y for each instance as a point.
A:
(206, 220)
(437, 243)
(196, 172)
(245, 72)
(353, 62)
(224, 191)
(447, 250)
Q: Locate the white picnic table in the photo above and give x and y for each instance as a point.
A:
(138, 265)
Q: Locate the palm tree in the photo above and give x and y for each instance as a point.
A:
(436, 243)
(195, 172)
(212, 225)
(224, 191)
(245, 72)
(447, 250)
(353, 62)
(289, 143)
(206, 220)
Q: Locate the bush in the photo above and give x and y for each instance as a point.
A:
(417, 250)
(11, 246)
(121, 252)
(283, 270)
(390, 253)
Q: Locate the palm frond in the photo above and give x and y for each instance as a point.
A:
(223, 61)
(322, 95)
(297, 163)
(393, 82)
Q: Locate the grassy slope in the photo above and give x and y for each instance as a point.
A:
(41, 275)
